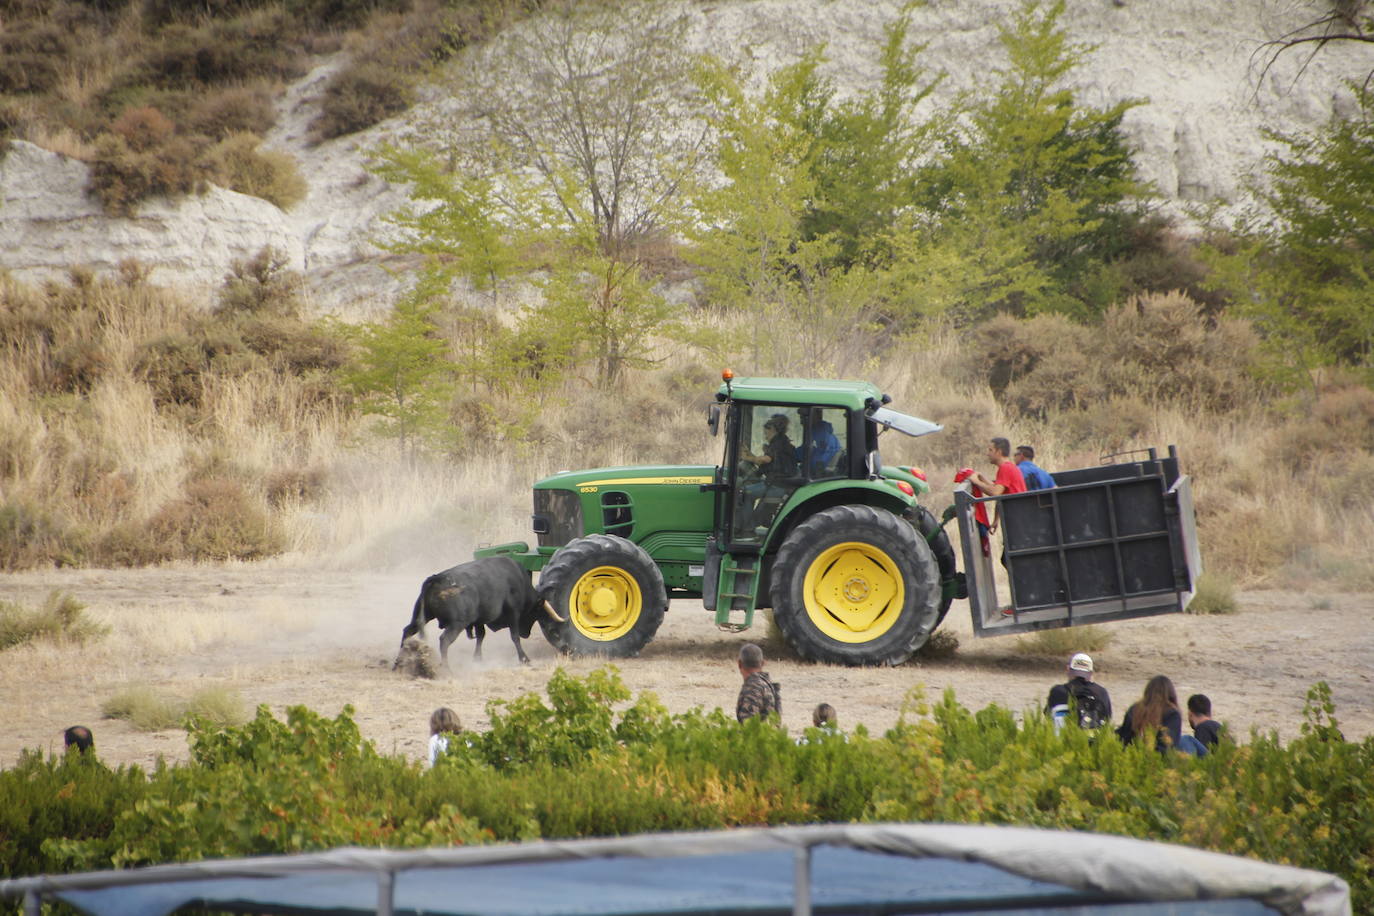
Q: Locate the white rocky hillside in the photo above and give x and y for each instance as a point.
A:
(1198, 137)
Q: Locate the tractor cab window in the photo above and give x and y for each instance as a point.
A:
(821, 453)
(766, 467)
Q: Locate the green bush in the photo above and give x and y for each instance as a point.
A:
(590, 763)
(61, 618)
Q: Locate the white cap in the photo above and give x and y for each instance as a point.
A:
(1081, 663)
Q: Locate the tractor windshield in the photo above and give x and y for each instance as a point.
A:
(775, 449)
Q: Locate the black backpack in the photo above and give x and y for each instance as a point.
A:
(1089, 708)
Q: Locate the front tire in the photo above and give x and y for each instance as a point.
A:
(855, 585)
(611, 593)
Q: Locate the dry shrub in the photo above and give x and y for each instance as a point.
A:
(1107, 427)
(1064, 641)
(32, 53)
(216, 519)
(217, 706)
(144, 709)
(172, 366)
(297, 347)
(35, 535)
(262, 284)
(942, 645)
(294, 486)
(60, 619)
(233, 110)
(78, 365)
(1214, 594)
(364, 95)
(1248, 542)
(1339, 422)
(240, 165)
(968, 425)
(1156, 349)
(143, 157)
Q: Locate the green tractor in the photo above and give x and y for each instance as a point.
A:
(801, 516)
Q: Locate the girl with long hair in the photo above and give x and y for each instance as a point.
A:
(1156, 713)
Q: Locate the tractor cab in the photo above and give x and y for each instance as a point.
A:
(793, 448)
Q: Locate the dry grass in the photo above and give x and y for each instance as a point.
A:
(61, 619)
(1214, 595)
(1276, 483)
(1065, 642)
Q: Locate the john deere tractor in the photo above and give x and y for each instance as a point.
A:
(855, 569)
(803, 517)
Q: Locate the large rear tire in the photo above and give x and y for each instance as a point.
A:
(610, 592)
(938, 540)
(855, 585)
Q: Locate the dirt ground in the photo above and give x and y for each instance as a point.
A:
(284, 635)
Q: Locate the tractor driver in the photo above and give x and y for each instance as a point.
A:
(779, 458)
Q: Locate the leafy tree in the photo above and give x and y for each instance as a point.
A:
(1307, 275)
(865, 151)
(458, 226)
(402, 372)
(566, 155)
(1027, 204)
(795, 232)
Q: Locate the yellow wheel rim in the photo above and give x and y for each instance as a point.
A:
(605, 603)
(853, 592)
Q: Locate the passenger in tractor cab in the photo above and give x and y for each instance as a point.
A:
(825, 446)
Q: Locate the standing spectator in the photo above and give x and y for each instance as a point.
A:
(443, 725)
(1205, 729)
(824, 719)
(1007, 480)
(80, 738)
(1086, 703)
(1036, 477)
(1154, 715)
(758, 696)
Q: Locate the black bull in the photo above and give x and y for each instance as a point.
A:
(486, 593)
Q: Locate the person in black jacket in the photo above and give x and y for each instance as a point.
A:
(1154, 716)
(1205, 729)
(1079, 699)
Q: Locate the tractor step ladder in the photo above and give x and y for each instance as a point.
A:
(739, 585)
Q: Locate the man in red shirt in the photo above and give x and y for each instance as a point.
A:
(1008, 480)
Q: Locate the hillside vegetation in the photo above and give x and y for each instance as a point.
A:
(994, 264)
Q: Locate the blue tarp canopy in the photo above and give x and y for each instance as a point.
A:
(833, 869)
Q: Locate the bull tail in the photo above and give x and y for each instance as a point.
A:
(552, 613)
(417, 617)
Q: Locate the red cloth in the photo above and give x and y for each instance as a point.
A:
(1009, 476)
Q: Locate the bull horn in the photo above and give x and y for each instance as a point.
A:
(552, 613)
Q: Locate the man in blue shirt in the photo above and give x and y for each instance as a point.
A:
(1037, 478)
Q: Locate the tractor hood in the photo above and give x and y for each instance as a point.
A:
(647, 475)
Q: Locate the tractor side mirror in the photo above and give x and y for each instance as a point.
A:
(713, 418)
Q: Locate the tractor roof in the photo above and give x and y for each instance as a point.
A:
(802, 391)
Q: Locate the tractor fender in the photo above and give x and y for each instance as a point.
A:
(808, 500)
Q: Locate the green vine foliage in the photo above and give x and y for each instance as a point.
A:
(587, 759)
